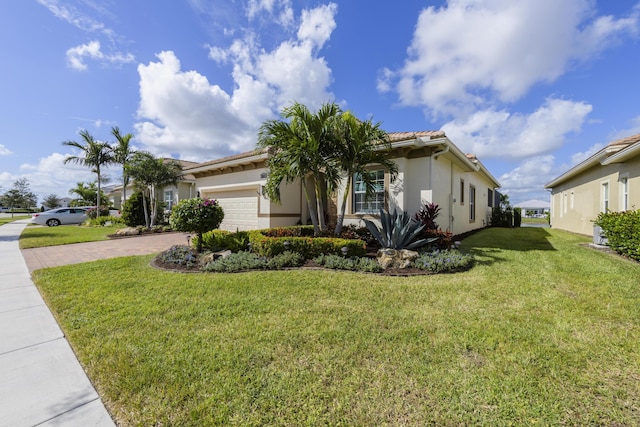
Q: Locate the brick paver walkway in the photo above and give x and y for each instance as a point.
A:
(53, 256)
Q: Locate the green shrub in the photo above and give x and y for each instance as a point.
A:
(240, 261)
(102, 220)
(293, 231)
(445, 261)
(622, 230)
(286, 259)
(517, 217)
(309, 247)
(132, 211)
(337, 262)
(196, 216)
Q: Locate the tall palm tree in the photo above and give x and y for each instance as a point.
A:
(150, 174)
(93, 154)
(302, 144)
(359, 146)
(122, 155)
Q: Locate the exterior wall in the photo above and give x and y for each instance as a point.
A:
(576, 203)
(428, 179)
(241, 192)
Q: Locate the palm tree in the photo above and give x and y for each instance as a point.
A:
(149, 174)
(122, 155)
(301, 146)
(360, 145)
(94, 154)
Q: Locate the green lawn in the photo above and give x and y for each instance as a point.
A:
(542, 331)
(35, 237)
(535, 220)
(5, 220)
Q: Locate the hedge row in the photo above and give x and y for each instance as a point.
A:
(622, 230)
(262, 242)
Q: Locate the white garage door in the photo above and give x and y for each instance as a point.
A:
(240, 209)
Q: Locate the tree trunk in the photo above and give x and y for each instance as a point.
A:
(145, 210)
(152, 205)
(98, 196)
(319, 204)
(312, 211)
(343, 208)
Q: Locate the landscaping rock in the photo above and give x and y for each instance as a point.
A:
(128, 231)
(395, 259)
(212, 256)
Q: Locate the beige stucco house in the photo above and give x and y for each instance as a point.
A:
(431, 169)
(170, 195)
(608, 180)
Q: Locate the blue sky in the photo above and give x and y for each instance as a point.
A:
(531, 87)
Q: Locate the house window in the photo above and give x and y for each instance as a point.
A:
(472, 203)
(624, 190)
(168, 199)
(375, 201)
(572, 200)
(462, 191)
(605, 196)
(489, 197)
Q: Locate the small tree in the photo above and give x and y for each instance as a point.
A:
(51, 201)
(196, 216)
(20, 196)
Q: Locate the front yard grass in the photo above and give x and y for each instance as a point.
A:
(39, 236)
(542, 331)
(6, 220)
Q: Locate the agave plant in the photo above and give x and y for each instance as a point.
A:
(399, 231)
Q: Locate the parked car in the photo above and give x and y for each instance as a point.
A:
(60, 216)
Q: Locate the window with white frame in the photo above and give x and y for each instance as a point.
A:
(472, 203)
(624, 193)
(375, 201)
(168, 199)
(605, 197)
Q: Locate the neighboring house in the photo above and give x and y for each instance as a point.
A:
(608, 180)
(170, 195)
(431, 169)
(65, 201)
(533, 208)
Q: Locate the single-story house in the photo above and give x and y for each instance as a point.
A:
(607, 181)
(533, 208)
(431, 169)
(171, 194)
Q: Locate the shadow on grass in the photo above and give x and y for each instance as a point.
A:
(487, 245)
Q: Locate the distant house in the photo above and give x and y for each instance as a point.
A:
(608, 180)
(170, 195)
(533, 208)
(431, 169)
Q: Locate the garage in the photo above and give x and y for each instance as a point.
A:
(240, 208)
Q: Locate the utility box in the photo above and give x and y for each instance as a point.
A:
(598, 237)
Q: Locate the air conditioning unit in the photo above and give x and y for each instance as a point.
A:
(598, 236)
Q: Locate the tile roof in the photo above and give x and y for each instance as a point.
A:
(625, 141)
(404, 136)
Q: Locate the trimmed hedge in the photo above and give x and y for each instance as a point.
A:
(309, 247)
(622, 230)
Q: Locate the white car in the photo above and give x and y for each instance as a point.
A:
(60, 216)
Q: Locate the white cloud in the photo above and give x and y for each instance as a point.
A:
(491, 133)
(182, 112)
(584, 155)
(473, 53)
(76, 56)
(4, 151)
(527, 180)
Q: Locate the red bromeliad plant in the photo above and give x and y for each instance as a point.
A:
(427, 215)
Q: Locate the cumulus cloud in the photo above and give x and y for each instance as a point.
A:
(4, 151)
(526, 181)
(76, 56)
(492, 133)
(473, 53)
(182, 112)
(49, 176)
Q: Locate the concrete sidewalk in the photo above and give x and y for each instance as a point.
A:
(42, 381)
(43, 384)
